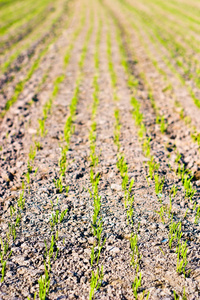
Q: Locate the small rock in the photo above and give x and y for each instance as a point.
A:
(162, 226)
(6, 175)
(115, 250)
(198, 182)
(91, 240)
(83, 279)
(82, 240)
(116, 187)
(32, 131)
(78, 175)
(19, 164)
(43, 190)
(196, 176)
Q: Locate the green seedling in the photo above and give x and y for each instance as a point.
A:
(161, 213)
(195, 204)
(3, 270)
(182, 114)
(62, 215)
(153, 167)
(38, 146)
(12, 210)
(95, 282)
(141, 131)
(56, 238)
(42, 131)
(135, 256)
(4, 248)
(93, 157)
(35, 173)
(92, 256)
(58, 184)
(63, 161)
(178, 157)
(174, 190)
(162, 251)
(137, 284)
(130, 212)
(3, 252)
(34, 297)
(146, 147)
(176, 297)
(197, 216)
(28, 178)
(159, 182)
(29, 167)
(67, 190)
(23, 185)
(49, 254)
(125, 181)
(44, 284)
(21, 201)
(161, 121)
(97, 207)
(131, 185)
(111, 65)
(174, 232)
(170, 208)
(117, 135)
(100, 246)
(189, 191)
(12, 230)
(121, 165)
(184, 295)
(137, 115)
(182, 258)
(85, 47)
(54, 219)
(18, 219)
(196, 137)
(32, 153)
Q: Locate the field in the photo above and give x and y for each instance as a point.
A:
(99, 149)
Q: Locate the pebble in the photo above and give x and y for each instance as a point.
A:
(116, 187)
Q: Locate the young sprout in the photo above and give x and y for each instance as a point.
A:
(95, 282)
(137, 284)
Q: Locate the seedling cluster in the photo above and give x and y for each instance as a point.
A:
(97, 222)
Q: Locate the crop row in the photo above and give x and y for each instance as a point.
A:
(177, 57)
(27, 43)
(174, 228)
(33, 68)
(15, 212)
(127, 184)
